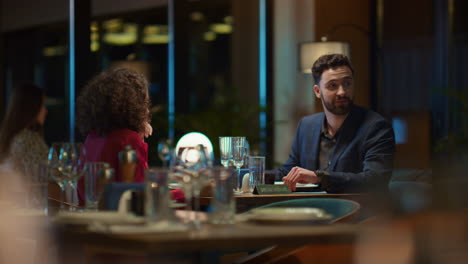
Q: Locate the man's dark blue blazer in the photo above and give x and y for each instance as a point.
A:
(363, 156)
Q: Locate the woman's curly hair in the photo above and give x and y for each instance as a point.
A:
(114, 99)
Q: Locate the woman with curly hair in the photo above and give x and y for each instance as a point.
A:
(113, 111)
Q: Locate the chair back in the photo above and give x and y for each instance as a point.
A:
(341, 210)
(114, 190)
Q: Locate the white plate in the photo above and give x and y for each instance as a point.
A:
(106, 218)
(289, 215)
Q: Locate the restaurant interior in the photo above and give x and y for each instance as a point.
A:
(241, 68)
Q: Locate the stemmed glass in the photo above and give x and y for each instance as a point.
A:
(72, 159)
(238, 153)
(164, 151)
(225, 149)
(54, 162)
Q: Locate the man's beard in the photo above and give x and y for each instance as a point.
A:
(340, 109)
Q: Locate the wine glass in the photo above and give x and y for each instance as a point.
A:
(54, 162)
(164, 151)
(73, 159)
(225, 150)
(238, 153)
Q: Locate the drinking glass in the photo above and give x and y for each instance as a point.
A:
(223, 201)
(54, 162)
(97, 174)
(157, 196)
(238, 153)
(247, 153)
(191, 170)
(225, 148)
(177, 172)
(38, 186)
(73, 158)
(164, 151)
(256, 171)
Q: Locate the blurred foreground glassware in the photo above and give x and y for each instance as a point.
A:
(223, 201)
(55, 170)
(97, 174)
(157, 197)
(72, 161)
(256, 171)
(225, 150)
(238, 153)
(191, 170)
(37, 196)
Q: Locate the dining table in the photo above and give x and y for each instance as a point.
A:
(80, 243)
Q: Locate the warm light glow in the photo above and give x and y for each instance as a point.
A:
(151, 29)
(311, 51)
(155, 34)
(197, 16)
(220, 28)
(94, 26)
(228, 19)
(156, 39)
(120, 39)
(54, 51)
(94, 45)
(209, 36)
(112, 25)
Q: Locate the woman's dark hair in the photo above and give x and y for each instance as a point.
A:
(328, 61)
(22, 112)
(114, 99)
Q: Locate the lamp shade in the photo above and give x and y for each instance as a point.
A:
(311, 51)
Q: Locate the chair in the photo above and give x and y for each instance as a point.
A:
(113, 191)
(340, 209)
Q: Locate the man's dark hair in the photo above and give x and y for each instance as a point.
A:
(328, 61)
(114, 99)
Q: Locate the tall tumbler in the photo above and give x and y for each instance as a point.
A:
(37, 196)
(223, 203)
(256, 171)
(157, 196)
(97, 174)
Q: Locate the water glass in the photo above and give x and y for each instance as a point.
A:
(97, 174)
(157, 196)
(256, 171)
(39, 183)
(225, 150)
(223, 203)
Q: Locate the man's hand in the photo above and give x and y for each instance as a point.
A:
(147, 131)
(299, 175)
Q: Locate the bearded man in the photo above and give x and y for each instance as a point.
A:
(346, 148)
